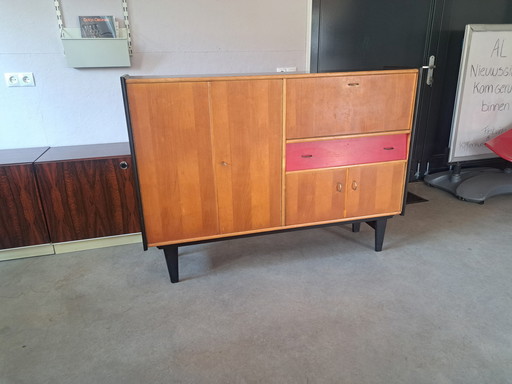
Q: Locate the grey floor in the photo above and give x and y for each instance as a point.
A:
(314, 306)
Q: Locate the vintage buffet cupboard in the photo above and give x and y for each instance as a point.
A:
(225, 156)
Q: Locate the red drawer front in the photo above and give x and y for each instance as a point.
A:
(335, 153)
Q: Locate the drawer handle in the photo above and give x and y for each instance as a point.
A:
(224, 164)
(353, 84)
(306, 156)
(355, 185)
(389, 148)
(339, 187)
(123, 165)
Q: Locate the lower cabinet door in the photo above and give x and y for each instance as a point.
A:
(173, 147)
(375, 189)
(21, 216)
(247, 145)
(315, 196)
(88, 198)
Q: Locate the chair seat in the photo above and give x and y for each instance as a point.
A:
(502, 145)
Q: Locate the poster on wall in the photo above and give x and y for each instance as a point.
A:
(483, 105)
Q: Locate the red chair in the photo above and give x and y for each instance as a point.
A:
(502, 145)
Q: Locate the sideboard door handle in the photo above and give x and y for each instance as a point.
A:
(355, 185)
(339, 187)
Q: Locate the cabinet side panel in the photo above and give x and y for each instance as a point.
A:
(247, 130)
(85, 199)
(172, 141)
(315, 196)
(328, 106)
(21, 217)
(375, 189)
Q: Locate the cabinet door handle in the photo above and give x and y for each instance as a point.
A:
(224, 164)
(123, 165)
(355, 185)
(339, 187)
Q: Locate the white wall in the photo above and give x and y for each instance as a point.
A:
(84, 106)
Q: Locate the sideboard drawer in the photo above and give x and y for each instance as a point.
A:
(341, 152)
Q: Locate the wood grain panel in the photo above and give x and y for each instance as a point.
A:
(315, 196)
(21, 216)
(247, 136)
(349, 104)
(375, 189)
(85, 199)
(171, 134)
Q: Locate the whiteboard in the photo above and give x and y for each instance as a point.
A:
(483, 105)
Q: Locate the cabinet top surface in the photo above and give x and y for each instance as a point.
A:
(20, 155)
(258, 76)
(92, 151)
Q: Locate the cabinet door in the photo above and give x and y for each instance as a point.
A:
(21, 217)
(247, 136)
(171, 133)
(315, 196)
(328, 106)
(375, 189)
(84, 199)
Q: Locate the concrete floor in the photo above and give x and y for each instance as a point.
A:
(314, 306)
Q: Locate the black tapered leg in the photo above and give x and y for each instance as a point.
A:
(171, 258)
(379, 226)
(356, 227)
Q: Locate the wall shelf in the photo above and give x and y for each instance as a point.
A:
(96, 53)
(90, 53)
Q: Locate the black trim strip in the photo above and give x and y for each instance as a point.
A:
(134, 160)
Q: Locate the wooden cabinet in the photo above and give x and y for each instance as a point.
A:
(22, 221)
(219, 157)
(87, 191)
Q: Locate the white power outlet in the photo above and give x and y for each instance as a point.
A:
(286, 69)
(20, 79)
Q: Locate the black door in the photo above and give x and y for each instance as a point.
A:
(385, 34)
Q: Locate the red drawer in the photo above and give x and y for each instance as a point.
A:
(339, 152)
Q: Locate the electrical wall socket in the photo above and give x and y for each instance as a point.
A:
(286, 69)
(19, 79)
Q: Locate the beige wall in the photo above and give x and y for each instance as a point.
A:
(84, 106)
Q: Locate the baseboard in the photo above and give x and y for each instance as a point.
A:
(70, 246)
(22, 252)
(102, 242)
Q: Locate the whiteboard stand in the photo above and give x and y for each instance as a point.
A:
(472, 184)
(483, 110)
(488, 184)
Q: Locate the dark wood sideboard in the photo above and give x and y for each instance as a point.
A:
(62, 194)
